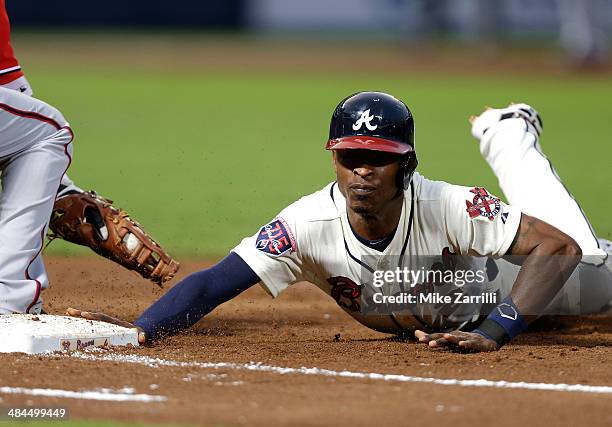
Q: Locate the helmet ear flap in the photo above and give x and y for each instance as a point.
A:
(407, 167)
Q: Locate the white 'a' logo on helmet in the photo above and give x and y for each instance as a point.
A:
(365, 119)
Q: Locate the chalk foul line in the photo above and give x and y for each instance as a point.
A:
(124, 395)
(259, 367)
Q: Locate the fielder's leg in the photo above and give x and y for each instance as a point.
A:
(35, 150)
(30, 180)
(21, 84)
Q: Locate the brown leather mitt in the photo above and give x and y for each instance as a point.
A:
(90, 220)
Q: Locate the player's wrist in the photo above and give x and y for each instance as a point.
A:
(503, 323)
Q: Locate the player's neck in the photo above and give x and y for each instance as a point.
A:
(377, 225)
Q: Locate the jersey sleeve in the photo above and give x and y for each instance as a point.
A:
(273, 253)
(478, 223)
(9, 67)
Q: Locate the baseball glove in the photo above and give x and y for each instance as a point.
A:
(90, 220)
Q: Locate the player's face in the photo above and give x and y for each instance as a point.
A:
(366, 178)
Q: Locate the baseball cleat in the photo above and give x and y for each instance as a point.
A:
(482, 123)
(527, 113)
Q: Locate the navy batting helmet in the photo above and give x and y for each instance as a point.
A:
(375, 121)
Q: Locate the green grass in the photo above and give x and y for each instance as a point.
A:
(202, 159)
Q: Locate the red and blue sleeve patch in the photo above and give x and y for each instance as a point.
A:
(276, 238)
(483, 204)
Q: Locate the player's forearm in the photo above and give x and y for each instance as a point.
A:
(543, 274)
(551, 257)
(195, 296)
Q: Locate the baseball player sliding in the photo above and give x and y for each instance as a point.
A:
(379, 211)
(35, 153)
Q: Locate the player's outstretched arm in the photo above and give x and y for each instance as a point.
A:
(551, 257)
(189, 300)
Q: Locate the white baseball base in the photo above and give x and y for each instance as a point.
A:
(44, 333)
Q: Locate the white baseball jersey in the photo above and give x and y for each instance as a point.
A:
(35, 151)
(312, 240)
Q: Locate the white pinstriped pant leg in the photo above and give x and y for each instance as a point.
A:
(530, 182)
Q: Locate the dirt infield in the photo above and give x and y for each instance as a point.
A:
(304, 328)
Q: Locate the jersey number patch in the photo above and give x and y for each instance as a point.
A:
(275, 238)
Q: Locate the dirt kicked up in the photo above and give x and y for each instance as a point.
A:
(300, 360)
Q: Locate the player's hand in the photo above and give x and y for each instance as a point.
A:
(468, 341)
(108, 319)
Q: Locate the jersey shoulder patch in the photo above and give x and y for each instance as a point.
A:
(276, 238)
(482, 204)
